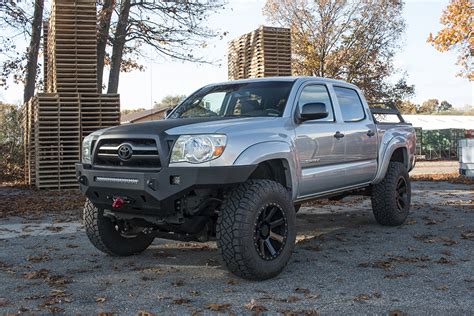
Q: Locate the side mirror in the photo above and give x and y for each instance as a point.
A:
(313, 111)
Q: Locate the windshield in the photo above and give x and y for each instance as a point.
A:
(240, 99)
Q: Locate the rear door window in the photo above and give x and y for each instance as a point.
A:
(350, 103)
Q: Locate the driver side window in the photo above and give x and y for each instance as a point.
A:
(317, 93)
(213, 102)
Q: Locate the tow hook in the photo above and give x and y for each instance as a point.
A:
(117, 202)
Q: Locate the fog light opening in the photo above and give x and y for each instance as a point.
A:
(175, 180)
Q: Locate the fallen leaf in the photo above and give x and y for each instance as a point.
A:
(37, 259)
(444, 260)
(254, 307)
(58, 280)
(304, 312)
(292, 299)
(468, 235)
(397, 312)
(383, 264)
(232, 282)
(100, 299)
(302, 290)
(54, 229)
(443, 287)
(180, 301)
(39, 274)
(3, 302)
(362, 297)
(217, 307)
(145, 313)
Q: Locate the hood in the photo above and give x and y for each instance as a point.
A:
(200, 125)
(155, 127)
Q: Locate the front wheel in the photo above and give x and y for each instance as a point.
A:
(256, 229)
(110, 236)
(391, 197)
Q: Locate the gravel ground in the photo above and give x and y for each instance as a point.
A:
(343, 263)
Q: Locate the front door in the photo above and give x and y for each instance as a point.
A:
(319, 152)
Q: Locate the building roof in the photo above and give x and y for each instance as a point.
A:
(134, 116)
(431, 122)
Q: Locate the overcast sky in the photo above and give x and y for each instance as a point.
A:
(433, 73)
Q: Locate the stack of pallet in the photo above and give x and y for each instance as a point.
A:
(71, 107)
(265, 52)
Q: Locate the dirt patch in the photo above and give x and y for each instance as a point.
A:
(448, 177)
(18, 200)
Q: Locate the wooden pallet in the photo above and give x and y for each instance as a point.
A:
(261, 53)
(56, 122)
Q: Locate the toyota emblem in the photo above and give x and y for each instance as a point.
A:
(125, 152)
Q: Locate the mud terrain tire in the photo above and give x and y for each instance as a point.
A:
(391, 198)
(256, 229)
(102, 233)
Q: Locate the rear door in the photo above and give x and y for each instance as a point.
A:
(359, 131)
(320, 153)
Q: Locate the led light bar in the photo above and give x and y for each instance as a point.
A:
(116, 180)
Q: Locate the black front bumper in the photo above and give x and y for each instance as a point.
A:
(154, 193)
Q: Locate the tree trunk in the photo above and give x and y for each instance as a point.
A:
(33, 49)
(103, 34)
(118, 44)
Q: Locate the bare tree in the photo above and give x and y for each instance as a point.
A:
(119, 43)
(172, 29)
(105, 16)
(32, 52)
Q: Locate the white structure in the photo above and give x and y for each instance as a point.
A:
(466, 157)
(431, 122)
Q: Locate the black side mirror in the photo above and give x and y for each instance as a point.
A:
(313, 111)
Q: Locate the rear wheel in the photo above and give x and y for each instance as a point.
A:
(391, 198)
(256, 229)
(113, 237)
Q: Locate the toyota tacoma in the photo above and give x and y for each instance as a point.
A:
(234, 161)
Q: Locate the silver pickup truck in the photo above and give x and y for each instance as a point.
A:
(234, 161)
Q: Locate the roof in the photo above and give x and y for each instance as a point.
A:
(132, 117)
(283, 78)
(431, 122)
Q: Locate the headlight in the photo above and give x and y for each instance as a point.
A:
(86, 148)
(198, 148)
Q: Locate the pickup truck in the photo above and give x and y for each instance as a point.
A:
(234, 161)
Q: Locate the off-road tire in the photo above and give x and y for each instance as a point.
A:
(102, 233)
(237, 226)
(386, 205)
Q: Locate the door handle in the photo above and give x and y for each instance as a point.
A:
(370, 133)
(339, 135)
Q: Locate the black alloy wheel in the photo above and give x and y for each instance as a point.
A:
(271, 231)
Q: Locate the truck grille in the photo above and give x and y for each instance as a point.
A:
(128, 153)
